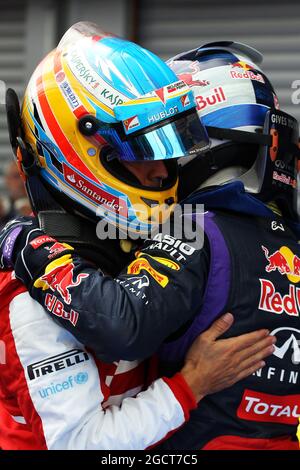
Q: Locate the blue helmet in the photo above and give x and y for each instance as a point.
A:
(251, 139)
(92, 102)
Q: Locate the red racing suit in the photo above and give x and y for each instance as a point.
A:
(54, 394)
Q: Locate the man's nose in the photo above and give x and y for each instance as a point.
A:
(157, 169)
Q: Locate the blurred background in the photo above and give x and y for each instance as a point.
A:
(31, 28)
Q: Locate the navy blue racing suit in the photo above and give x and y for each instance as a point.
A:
(249, 265)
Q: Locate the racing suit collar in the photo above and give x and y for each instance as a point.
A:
(232, 196)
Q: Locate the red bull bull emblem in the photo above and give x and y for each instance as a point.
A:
(284, 261)
(242, 65)
(60, 279)
(189, 80)
(189, 77)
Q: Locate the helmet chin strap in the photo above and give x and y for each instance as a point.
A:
(224, 176)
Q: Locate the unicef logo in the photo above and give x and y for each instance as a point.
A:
(81, 378)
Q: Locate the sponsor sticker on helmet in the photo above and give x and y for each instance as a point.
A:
(242, 65)
(185, 100)
(215, 97)
(93, 192)
(67, 91)
(247, 75)
(92, 81)
(171, 90)
(131, 123)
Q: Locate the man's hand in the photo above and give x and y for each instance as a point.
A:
(10, 236)
(213, 364)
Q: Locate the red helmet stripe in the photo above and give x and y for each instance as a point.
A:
(58, 134)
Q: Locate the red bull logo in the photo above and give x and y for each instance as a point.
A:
(190, 81)
(247, 74)
(216, 97)
(58, 248)
(60, 279)
(285, 262)
(189, 76)
(242, 65)
(56, 307)
(274, 302)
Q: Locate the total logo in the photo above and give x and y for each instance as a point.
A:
(41, 240)
(263, 407)
(59, 387)
(216, 97)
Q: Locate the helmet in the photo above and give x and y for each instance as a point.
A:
(251, 140)
(97, 100)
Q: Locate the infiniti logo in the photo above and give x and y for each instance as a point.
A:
(291, 343)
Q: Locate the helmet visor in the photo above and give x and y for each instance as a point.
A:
(172, 138)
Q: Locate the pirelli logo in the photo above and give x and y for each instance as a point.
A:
(56, 363)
